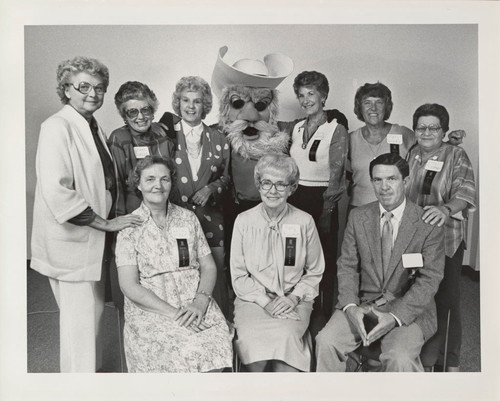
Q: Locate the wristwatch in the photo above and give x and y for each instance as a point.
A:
(448, 208)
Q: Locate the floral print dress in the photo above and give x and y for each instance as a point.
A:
(153, 342)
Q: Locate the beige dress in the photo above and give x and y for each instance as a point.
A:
(153, 342)
(261, 271)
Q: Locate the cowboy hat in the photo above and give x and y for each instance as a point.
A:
(250, 72)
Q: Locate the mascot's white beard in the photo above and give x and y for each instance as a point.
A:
(270, 139)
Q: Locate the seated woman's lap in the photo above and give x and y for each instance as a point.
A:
(154, 343)
(249, 315)
(259, 336)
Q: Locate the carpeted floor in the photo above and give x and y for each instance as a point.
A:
(43, 327)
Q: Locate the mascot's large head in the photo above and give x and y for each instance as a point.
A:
(249, 103)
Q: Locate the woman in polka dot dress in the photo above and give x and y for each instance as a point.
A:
(202, 161)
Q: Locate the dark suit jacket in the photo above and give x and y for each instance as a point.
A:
(360, 274)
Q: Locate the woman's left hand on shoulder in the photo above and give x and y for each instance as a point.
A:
(434, 215)
(201, 197)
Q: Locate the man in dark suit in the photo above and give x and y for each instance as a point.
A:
(390, 267)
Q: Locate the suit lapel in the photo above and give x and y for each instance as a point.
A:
(407, 230)
(184, 168)
(371, 224)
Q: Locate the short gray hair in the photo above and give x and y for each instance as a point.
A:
(68, 68)
(277, 162)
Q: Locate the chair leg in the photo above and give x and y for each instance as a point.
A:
(445, 358)
(236, 363)
(357, 359)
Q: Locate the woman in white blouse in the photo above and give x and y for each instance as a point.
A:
(276, 266)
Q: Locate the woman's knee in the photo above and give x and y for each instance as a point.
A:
(258, 366)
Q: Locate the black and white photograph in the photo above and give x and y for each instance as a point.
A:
(249, 192)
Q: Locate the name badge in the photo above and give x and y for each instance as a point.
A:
(182, 247)
(180, 232)
(313, 150)
(141, 152)
(394, 139)
(290, 250)
(412, 260)
(434, 165)
(290, 230)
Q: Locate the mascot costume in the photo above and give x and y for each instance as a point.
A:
(248, 107)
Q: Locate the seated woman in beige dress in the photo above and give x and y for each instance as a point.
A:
(276, 266)
(167, 274)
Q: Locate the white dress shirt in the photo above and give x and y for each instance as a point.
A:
(193, 139)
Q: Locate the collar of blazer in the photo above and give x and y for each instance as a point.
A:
(83, 126)
(371, 222)
(181, 152)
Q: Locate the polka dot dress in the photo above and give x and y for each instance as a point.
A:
(212, 174)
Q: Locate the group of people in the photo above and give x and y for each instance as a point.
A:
(223, 243)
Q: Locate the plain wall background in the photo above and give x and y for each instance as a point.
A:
(419, 63)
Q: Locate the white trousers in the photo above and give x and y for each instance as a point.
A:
(81, 307)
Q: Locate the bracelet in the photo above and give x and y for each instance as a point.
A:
(448, 208)
(206, 294)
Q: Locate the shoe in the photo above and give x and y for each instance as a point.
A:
(438, 368)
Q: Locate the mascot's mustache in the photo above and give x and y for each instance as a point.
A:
(251, 129)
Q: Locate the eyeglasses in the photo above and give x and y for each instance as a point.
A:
(266, 185)
(239, 103)
(432, 129)
(85, 87)
(134, 113)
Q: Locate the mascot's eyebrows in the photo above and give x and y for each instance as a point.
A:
(254, 94)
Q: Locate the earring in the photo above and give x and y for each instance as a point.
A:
(323, 103)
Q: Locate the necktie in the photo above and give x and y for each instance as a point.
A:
(386, 241)
(107, 164)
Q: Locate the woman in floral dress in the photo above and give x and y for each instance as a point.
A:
(167, 274)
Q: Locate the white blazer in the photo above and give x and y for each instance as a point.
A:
(70, 178)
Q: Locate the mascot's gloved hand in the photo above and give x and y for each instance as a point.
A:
(168, 121)
(456, 137)
(334, 114)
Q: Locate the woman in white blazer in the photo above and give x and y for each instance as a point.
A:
(74, 199)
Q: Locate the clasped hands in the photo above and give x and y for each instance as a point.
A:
(191, 316)
(385, 322)
(283, 307)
